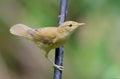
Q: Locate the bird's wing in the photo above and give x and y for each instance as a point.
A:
(45, 35)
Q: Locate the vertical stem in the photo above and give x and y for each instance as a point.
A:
(59, 51)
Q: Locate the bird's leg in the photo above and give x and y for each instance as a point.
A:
(54, 65)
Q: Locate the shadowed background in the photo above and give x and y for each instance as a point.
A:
(92, 52)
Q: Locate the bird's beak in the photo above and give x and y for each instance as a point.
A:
(81, 24)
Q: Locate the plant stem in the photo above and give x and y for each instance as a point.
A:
(59, 51)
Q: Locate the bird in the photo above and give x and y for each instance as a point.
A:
(47, 38)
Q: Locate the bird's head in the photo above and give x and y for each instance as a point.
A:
(69, 26)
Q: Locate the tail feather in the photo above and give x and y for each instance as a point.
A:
(20, 30)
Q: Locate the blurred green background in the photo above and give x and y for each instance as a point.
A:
(92, 52)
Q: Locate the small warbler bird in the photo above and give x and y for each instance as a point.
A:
(47, 38)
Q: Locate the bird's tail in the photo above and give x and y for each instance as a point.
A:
(21, 30)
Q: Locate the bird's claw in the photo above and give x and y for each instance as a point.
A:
(61, 68)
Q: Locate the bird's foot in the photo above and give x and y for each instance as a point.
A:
(61, 68)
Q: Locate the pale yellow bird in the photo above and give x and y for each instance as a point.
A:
(47, 38)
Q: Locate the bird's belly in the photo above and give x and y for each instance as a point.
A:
(48, 47)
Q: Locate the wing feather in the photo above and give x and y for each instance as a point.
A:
(45, 35)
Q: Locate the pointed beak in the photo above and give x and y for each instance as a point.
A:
(81, 24)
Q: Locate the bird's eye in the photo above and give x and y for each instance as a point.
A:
(70, 25)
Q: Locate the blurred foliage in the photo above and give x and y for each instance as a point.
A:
(93, 51)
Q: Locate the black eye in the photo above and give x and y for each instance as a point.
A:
(70, 25)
